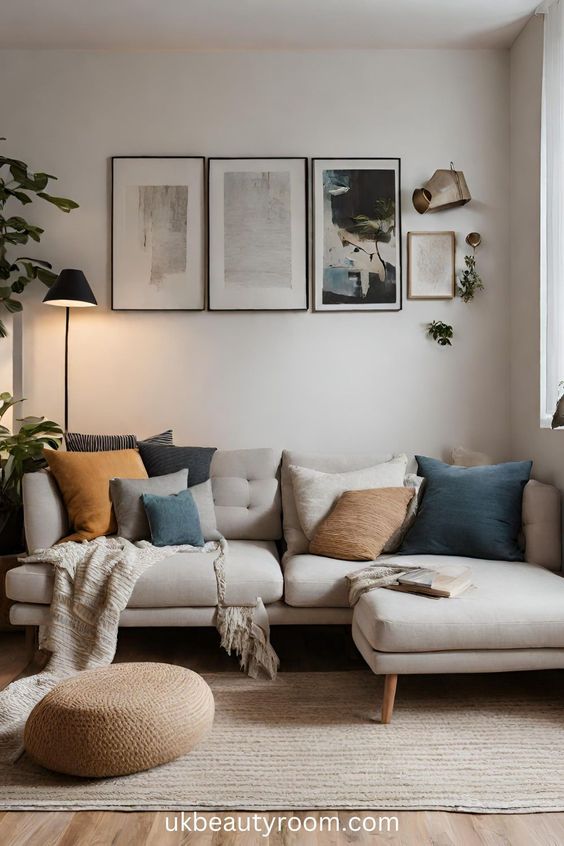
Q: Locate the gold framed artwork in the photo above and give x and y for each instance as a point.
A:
(431, 265)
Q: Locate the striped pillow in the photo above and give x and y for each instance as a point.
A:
(76, 442)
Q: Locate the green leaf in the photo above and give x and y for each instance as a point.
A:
(5, 292)
(35, 261)
(46, 276)
(62, 203)
(12, 305)
(19, 195)
(3, 330)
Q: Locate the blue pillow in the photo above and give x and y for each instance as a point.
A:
(173, 520)
(469, 511)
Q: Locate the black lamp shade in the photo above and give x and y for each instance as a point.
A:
(71, 289)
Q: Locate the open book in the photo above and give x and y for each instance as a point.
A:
(451, 580)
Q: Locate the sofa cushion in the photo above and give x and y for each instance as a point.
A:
(183, 580)
(316, 581)
(512, 606)
(246, 493)
(361, 523)
(474, 511)
(84, 482)
(315, 493)
(294, 536)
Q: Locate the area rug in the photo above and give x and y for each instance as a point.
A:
(313, 740)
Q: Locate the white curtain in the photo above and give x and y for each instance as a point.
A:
(552, 208)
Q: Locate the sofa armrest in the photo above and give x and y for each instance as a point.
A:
(542, 525)
(45, 515)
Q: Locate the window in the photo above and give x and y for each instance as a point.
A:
(552, 209)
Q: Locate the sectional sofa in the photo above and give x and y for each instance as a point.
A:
(512, 620)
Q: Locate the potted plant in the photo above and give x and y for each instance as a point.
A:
(19, 184)
(20, 452)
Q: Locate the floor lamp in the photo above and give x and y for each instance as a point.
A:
(70, 290)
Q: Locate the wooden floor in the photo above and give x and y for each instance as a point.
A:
(300, 649)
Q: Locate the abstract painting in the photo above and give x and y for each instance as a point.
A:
(357, 229)
(257, 234)
(430, 265)
(158, 233)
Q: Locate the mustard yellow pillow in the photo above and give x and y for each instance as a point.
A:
(84, 481)
(361, 523)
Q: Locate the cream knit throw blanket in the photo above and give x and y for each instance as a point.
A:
(374, 575)
(92, 585)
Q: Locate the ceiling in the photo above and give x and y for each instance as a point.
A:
(261, 24)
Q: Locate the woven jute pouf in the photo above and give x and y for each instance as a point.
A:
(119, 720)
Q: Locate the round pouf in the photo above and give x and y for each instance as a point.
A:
(119, 720)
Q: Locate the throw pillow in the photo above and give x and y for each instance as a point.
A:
(203, 497)
(361, 522)
(416, 484)
(128, 506)
(160, 460)
(84, 481)
(316, 493)
(469, 511)
(173, 520)
(77, 442)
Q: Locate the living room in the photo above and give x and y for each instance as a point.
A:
(198, 201)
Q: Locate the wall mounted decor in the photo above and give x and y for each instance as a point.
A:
(444, 190)
(440, 332)
(258, 254)
(430, 265)
(357, 234)
(158, 233)
(470, 280)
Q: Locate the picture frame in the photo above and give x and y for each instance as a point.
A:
(353, 269)
(431, 271)
(158, 233)
(258, 254)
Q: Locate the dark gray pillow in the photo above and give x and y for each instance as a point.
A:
(474, 512)
(77, 442)
(160, 460)
(127, 500)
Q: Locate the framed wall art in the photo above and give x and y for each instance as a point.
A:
(431, 265)
(257, 236)
(357, 235)
(158, 233)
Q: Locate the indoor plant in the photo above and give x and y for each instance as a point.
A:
(20, 452)
(17, 183)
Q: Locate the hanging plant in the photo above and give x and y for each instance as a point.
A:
(440, 332)
(470, 280)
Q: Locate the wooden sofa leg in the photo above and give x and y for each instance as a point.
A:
(390, 685)
(31, 633)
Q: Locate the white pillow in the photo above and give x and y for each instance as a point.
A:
(316, 493)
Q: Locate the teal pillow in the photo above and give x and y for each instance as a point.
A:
(173, 520)
(473, 512)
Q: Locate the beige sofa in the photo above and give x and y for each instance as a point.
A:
(512, 620)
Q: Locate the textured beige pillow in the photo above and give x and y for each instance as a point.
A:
(315, 493)
(360, 524)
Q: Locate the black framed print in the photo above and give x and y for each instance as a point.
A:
(158, 233)
(357, 235)
(257, 234)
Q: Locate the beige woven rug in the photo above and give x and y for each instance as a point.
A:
(311, 740)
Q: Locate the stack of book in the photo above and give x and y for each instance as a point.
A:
(449, 581)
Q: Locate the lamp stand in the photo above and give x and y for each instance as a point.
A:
(67, 321)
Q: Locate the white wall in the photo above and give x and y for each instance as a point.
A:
(545, 446)
(315, 381)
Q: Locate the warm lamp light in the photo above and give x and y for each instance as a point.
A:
(71, 290)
